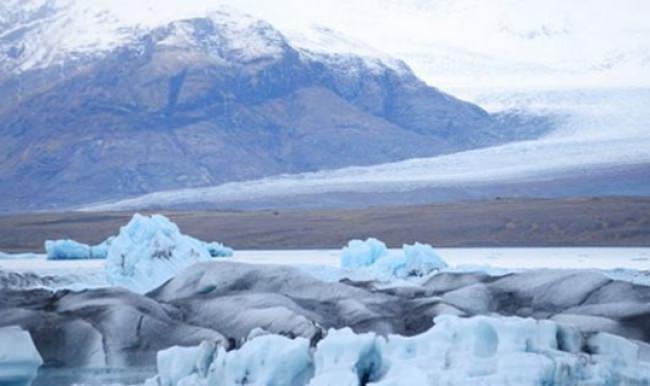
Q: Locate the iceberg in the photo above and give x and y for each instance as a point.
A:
(372, 257)
(455, 351)
(511, 350)
(19, 359)
(150, 250)
(216, 249)
(146, 252)
(269, 360)
(67, 249)
(360, 253)
(344, 358)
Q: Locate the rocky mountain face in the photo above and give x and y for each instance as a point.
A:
(125, 108)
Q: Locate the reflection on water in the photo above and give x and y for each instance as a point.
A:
(92, 377)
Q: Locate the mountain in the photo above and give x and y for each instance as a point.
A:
(600, 147)
(111, 99)
(470, 46)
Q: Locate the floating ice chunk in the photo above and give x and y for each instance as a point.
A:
(67, 249)
(100, 251)
(362, 253)
(379, 263)
(420, 259)
(218, 249)
(344, 358)
(271, 360)
(455, 351)
(415, 261)
(146, 252)
(19, 359)
(179, 363)
(506, 350)
(150, 250)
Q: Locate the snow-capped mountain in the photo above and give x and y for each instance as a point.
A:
(39, 34)
(109, 99)
(466, 46)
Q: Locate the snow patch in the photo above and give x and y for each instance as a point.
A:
(324, 44)
(63, 31)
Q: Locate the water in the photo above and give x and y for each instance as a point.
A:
(93, 377)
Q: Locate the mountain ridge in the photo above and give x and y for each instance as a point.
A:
(205, 100)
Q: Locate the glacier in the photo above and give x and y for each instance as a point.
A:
(455, 351)
(372, 257)
(149, 250)
(19, 358)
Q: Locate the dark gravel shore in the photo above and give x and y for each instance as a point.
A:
(611, 221)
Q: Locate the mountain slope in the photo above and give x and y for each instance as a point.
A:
(601, 148)
(131, 107)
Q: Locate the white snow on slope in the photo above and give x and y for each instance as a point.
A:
(455, 351)
(466, 45)
(73, 29)
(459, 45)
(53, 33)
(337, 49)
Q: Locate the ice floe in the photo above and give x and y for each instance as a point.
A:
(67, 249)
(271, 360)
(374, 260)
(455, 351)
(148, 251)
(216, 249)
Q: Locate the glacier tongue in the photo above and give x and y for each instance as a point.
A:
(455, 351)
